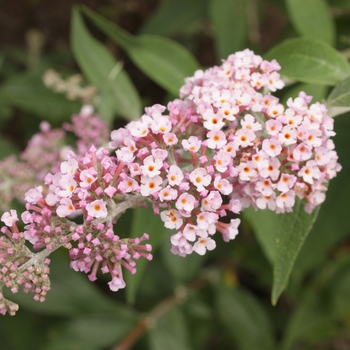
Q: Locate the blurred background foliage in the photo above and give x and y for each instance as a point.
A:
(221, 300)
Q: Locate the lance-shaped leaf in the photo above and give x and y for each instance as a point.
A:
(281, 237)
(310, 61)
(291, 232)
(27, 92)
(229, 20)
(175, 16)
(102, 70)
(312, 18)
(163, 60)
(338, 101)
(143, 220)
(243, 318)
(170, 332)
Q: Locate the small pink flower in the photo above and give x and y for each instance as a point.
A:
(222, 161)
(97, 208)
(216, 139)
(189, 232)
(159, 153)
(266, 202)
(150, 185)
(205, 219)
(175, 175)
(116, 283)
(228, 111)
(200, 178)
(287, 136)
(212, 201)
(309, 172)
(265, 187)
(161, 124)
(244, 137)
(171, 218)
(125, 155)
(271, 170)
(229, 231)
(170, 139)
(167, 194)
(260, 160)
(180, 245)
(275, 110)
(69, 167)
(285, 201)
(128, 185)
(151, 166)
(230, 148)
(192, 144)
(302, 152)
(110, 191)
(222, 185)
(249, 122)
(87, 177)
(65, 208)
(34, 194)
(213, 121)
(272, 147)
(286, 182)
(67, 185)
(186, 202)
(274, 81)
(273, 127)
(247, 171)
(203, 244)
(140, 128)
(9, 218)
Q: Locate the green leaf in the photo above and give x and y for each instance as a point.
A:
(312, 18)
(282, 236)
(310, 61)
(163, 60)
(169, 332)
(33, 332)
(291, 232)
(27, 92)
(229, 19)
(7, 148)
(143, 220)
(311, 320)
(338, 101)
(264, 224)
(323, 305)
(92, 332)
(175, 16)
(243, 318)
(102, 70)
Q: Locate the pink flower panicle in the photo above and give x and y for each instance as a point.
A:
(225, 135)
(45, 152)
(13, 256)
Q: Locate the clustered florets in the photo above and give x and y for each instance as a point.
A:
(226, 144)
(45, 152)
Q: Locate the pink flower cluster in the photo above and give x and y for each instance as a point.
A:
(45, 151)
(88, 186)
(225, 137)
(14, 273)
(225, 145)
